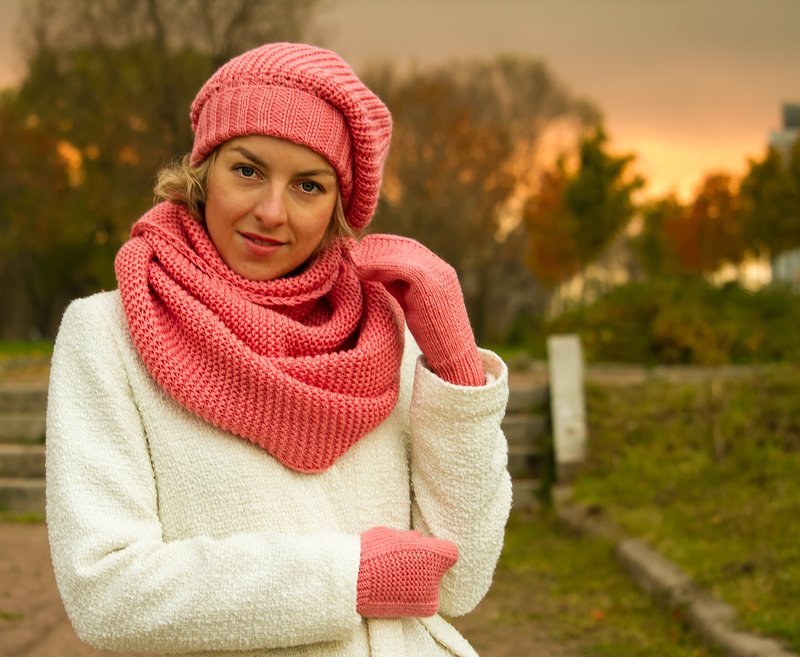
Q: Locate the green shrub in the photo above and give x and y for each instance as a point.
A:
(687, 321)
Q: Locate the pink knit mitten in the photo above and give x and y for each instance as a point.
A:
(428, 291)
(400, 573)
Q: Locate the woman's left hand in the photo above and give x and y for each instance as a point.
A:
(428, 291)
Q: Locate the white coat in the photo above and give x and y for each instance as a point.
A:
(169, 535)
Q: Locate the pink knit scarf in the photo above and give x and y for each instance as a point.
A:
(302, 366)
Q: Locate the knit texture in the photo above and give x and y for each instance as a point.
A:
(301, 366)
(427, 288)
(309, 96)
(400, 571)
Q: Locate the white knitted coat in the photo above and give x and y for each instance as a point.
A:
(169, 535)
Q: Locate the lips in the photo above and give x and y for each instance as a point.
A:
(261, 240)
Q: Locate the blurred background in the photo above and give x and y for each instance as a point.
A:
(628, 170)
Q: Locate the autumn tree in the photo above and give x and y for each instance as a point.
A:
(150, 54)
(35, 193)
(576, 214)
(715, 214)
(552, 252)
(466, 140)
(771, 202)
(656, 254)
(696, 238)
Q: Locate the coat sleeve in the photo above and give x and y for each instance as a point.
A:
(459, 475)
(124, 587)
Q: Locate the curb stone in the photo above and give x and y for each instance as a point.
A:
(713, 620)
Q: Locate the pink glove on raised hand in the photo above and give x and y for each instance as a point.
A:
(400, 573)
(428, 291)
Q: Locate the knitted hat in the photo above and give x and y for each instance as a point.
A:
(306, 95)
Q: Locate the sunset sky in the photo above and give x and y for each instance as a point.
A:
(688, 86)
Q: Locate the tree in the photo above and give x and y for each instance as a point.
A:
(656, 254)
(575, 215)
(713, 225)
(552, 251)
(771, 202)
(34, 185)
(599, 197)
(173, 46)
(697, 238)
(466, 142)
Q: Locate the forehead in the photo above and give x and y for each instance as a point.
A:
(266, 148)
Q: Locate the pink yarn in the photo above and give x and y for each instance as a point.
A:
(400, 572)
(301, 366)
(307, 95)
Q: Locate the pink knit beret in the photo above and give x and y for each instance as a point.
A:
(306, 95)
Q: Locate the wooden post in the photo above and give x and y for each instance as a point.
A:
(567, 403)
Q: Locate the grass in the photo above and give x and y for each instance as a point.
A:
(25, 361)
(10, 615)
(17, 518)
(573, 588)
(20, 349)
(707, 473)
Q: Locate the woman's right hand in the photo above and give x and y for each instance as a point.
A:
(428, 291)
(400, 572)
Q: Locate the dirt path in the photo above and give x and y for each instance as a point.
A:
(33, 622)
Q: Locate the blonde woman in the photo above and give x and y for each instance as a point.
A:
(274, 438)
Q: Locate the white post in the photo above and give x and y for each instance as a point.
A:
(567, 403)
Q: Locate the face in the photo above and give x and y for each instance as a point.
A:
(269, 203)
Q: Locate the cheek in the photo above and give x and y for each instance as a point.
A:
(326, 221)
(212, 217)
(221, 209)
(219, 220)
(212, 202)
(320, 228)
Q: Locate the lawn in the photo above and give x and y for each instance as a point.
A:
(24, 361)
(707, 473)
(13, 349)
(570, 592)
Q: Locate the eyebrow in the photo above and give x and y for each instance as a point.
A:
(260, 162)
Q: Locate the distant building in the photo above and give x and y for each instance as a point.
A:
(786, 265)
(784, 139)
(786, 268)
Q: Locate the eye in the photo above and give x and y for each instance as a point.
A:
(245, 170)
(310, 187)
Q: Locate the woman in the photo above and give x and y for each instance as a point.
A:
(247, 452)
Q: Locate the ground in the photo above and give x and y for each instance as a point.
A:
(33, 622)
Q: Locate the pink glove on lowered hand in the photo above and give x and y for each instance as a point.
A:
(400, 572)
(428, 291)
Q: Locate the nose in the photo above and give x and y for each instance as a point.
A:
(270, 209)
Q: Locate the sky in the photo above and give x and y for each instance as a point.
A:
(687, 86)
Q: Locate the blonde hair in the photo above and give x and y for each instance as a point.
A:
(186, 184)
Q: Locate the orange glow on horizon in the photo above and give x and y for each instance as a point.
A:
(678, 165)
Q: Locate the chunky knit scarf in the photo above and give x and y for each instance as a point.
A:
(302, 366)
